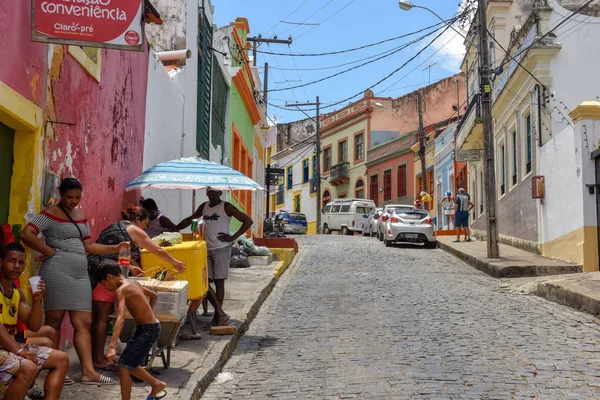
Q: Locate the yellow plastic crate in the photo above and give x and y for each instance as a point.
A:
(195, 255)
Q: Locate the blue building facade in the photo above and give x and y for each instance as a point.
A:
(444, 170)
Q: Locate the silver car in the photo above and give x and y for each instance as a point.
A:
(410, 226)
(386, 213)
(371, 226)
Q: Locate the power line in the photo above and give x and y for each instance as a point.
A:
(289, 15)
(309, 17)
(360, 47)
(327, 19)
(564, 20)
(360, 65)
(424, 61)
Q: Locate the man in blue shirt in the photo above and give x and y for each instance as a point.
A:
(462, 208)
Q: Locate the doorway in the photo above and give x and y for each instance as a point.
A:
(7, 139)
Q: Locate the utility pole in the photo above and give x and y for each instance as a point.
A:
(422, 144)
(488, 135)
(318, 154)
(257, 40)
(266, 86)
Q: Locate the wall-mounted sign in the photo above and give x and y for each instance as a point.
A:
(114, 24)
(467, 155)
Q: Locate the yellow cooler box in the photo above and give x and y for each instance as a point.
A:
(194, 254)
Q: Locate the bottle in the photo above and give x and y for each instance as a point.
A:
(125, 260)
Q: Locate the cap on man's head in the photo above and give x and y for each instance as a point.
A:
(211, 189)
(448, 193)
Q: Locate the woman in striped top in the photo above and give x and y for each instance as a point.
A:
(64, 270)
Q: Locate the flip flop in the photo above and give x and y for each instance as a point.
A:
(68, 381)
(468, 240)
(457, 241)
(104, 380)
(160, 395)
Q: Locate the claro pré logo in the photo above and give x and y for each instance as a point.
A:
(132, 37)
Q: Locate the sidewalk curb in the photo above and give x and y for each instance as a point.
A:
(474, 262)
(510, 271)
(204, 377)
(571, 295)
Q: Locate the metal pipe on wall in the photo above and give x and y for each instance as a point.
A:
(174, 55)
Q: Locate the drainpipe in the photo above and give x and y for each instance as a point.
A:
(174, 55)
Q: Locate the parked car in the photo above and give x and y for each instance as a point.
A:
(385, 215)
(346, 215)
(290, 222)
(370, 228)
(409, 226)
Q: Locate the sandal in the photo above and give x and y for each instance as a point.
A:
(104, 380)
(160, 395)
(68, 381)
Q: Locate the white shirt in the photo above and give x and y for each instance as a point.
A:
(216, 221)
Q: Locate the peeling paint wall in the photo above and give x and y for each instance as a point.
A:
(102, 144)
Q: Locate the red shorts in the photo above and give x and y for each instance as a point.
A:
(100, 293)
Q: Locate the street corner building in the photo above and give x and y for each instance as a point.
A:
(67, 110)
(545, 128)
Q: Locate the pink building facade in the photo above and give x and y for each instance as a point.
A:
(67, 111)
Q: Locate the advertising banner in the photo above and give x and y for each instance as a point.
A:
(114, 24)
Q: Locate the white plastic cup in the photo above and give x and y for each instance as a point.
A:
(34, 282)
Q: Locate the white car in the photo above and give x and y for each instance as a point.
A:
(410, 226)
(372, 224)
(387, 211)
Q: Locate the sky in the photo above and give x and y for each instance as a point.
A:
(333, 25)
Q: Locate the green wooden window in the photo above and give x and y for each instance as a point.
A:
(205, 58)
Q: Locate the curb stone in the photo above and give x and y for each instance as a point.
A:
(509, 271)
(200, 380)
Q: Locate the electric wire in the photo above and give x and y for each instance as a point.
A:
(560, 23)
(437, 25)
(402, 47)
(326, 19)
(289, 15)
(309, 17)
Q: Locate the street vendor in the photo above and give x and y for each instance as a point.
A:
(217, 215)
(157, 222)
(130, 229)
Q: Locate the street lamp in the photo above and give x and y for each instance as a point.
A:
(407, 5)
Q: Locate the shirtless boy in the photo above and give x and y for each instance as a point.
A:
(132, 295)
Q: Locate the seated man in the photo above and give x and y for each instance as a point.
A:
(157, 222)
(19, 363)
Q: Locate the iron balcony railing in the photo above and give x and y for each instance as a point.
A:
(339, 171)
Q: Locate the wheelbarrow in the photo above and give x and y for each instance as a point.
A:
(167, 340)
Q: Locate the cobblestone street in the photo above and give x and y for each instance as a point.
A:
(354, 319)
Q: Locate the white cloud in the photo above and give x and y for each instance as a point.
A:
(450, 46)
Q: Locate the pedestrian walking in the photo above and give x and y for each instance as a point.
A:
(217, 215)
(67, 239)
(447, 204)
(462, 208)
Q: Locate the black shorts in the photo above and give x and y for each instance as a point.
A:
(21, 337)
(139, 345)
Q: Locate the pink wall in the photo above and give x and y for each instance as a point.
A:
(104, 148)
(400, 145)
(438, 100)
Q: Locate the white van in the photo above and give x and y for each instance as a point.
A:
(346, 215)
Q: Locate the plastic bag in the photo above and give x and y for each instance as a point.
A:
(239, 261)
(249, 243)
(262, 251)
(247, 250)
(166, 239)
